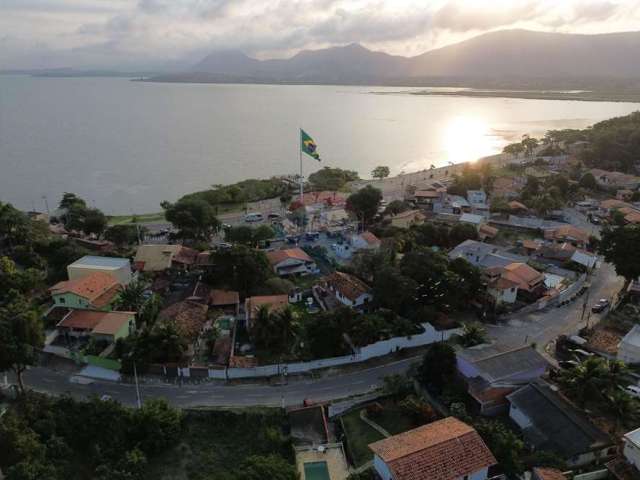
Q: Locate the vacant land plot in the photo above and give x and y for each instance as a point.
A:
(358, 436)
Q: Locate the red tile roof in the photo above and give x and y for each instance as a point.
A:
(279, 256)
(540, 473)
(370, 238)
(444, 450)
(525, 276)
(349, 286)
(186, 256)
(224, 297)
(106, 323)
(567, 232)
(90, 286)
(273, 302)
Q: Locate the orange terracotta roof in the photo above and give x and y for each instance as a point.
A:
(370, 238)
(530, 244)
(502, 283)
(567, 231)
(488, 230)
(632, 217)
(273, 302)
(189, 316)
(525, 276)
(279, 256)
(443, 450)
(540, 473)
(107, 297)
(185, 255)
(613, 203)
(348, 285)
(106, 323)
(224, 297)
(515, 205)
(91, 286)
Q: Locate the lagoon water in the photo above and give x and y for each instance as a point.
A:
(126, 146)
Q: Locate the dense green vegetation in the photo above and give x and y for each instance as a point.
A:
(619, 246)
(329, 178)
(251, 190)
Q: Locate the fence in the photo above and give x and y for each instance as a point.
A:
(378, 349)
(564, 295)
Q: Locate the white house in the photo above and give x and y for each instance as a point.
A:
(447, 449)
(348, 290)
(502, 290)
(629, 346)
(119, 268)
(632, 448)
(476, 197)
(292, 261)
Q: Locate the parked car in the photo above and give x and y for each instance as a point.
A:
(311, 236)
(632, 390)
(602, 305)
(274, 216)
(253, 217)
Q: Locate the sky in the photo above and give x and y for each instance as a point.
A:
(174, 34)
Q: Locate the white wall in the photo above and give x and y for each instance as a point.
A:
(632, 454)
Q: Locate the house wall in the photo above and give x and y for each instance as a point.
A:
(519, 417)
(628, 353)
(504, 296)
(466, 368)
(632, 454)
(71, 300)
(381, 468)
(479, 475)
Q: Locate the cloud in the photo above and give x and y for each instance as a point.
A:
(108, 33)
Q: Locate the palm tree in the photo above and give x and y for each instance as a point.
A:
(617, 373)
(587, 381)
(473, 334)
(624, 406)
(131, 297)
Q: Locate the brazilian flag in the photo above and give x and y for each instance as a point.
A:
(308, 145)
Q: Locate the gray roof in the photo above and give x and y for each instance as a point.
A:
(484, 254)
(101, 262)
(633, 336)
(496, 363)
(533, 223)
(555, 424)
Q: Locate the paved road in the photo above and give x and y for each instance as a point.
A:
(293, 393)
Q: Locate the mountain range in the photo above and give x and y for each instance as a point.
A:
(496, 58)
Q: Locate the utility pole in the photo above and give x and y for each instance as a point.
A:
(46, 205)
(135, 376)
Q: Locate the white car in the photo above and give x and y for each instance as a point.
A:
(632, 390)
(253, 217)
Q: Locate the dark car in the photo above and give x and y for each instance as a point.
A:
(602, 305)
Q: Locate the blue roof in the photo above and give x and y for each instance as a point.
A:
(104, 262)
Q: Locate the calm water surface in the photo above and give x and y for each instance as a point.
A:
(126, 146)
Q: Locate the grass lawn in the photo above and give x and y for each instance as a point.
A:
(359, 435)
(216, 442)
(144, 218)
(393, 419)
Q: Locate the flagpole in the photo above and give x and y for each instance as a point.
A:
(301, 177)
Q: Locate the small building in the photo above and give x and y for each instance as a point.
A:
(530, 281)
(292, 261)
(190, 317)
(473, 219)
(96, 291)
(568, 234)
(365, 240)
(476, 197)
(487, 232)
(119, 268)
(614, 179)
(629, 347)
(430, 197)
(549, 422)
(502, 290)
(492, 372)
(447, 449)
(105, 326)
(407, 219)
(348, 289)
(158, 258)
(226, 300)
(274, 303)
(631, 450)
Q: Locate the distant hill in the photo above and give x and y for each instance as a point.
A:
(496, 58)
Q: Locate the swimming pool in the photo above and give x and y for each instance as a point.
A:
(316, 471)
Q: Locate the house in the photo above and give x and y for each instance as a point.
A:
(530, 281)
(204, 261)
(618, 180)
(292, 261)
(98, 246)
(487, 232)
(624, 195)
(584, 258)
(407, 219)
(569, 234)
(629, 347)
(447, 449)
(252, 305)
(96, 291)
(607, 207)
(334, 216)
(430, 197)
(190, 317)
(517, 207)
(476, 197)
(484, 255)
(119, 268)
(226, 300)
(365, 240)
(105, 326)
(158, 258)
(549, 422)
(492, 372)
(348, 289)
(506, 187)
(541, 473)
(472, 218)
(502, 290)
(631, 449)
(632, 217)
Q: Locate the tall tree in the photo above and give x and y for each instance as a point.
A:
(438, 365)
(365, 203)
(380, 172)
(21, 335)
(619, 246)
(194, 218)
